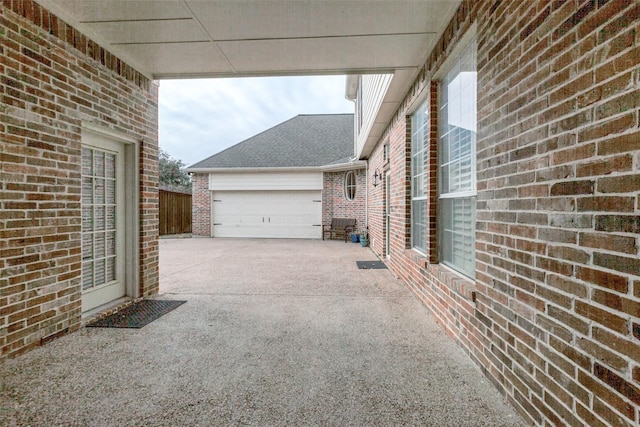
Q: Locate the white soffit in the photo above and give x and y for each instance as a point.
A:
(235, 38)
(400, 83)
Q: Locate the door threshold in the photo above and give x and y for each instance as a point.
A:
(105, 309)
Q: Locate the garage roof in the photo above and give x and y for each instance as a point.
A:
(302, 141)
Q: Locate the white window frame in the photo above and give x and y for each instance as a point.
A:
(131, 254)
(457, 159)
(350, 187)
(419, 170)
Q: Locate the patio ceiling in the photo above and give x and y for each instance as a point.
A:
(235, 38)
(167, 39)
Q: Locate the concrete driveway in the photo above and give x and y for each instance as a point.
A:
(274, 332)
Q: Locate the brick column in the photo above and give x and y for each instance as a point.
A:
(201, 205)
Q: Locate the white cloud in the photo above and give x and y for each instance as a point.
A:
(199, 118)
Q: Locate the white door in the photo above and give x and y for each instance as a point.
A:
(387, 215)
(267, 214)
(102, 221)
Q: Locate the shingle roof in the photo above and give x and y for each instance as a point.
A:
(302, 141)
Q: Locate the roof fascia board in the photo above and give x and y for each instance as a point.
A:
(360, 164)
(243, 170)
(282, 73)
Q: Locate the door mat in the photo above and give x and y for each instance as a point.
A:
(137, 314)
(371, 265)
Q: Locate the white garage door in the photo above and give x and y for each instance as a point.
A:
(267, 214)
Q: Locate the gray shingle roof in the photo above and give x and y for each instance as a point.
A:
(302, 141)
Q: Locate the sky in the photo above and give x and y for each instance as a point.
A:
(199, 118)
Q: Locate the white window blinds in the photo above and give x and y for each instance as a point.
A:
(457, 164)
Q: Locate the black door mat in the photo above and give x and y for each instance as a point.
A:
(370, 265)
(137, 314)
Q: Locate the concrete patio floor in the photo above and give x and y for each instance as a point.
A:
(274, 332)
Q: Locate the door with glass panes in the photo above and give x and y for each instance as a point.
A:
(102, 221)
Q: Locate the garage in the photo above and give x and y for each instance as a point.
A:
(266, 204)
(267, 214)
(280, 183)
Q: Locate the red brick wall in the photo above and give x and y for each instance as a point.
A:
(336, 205)
(377, 202)
(52, 78)
(553, 317)
(201, 205)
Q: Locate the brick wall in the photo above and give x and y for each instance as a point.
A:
(51, 79)
(377, 203)
(553, 317)
(201, 205)
(336, 205)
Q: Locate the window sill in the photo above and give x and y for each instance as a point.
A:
(460, 284)
(418, 258)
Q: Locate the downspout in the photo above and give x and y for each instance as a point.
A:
(366, 197)
(366, 169)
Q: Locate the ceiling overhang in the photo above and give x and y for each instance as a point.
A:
(235, 38)
(167, 39)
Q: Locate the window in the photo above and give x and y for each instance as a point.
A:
(457, 164)
(350, 185)
(419, 158)
(98, 217)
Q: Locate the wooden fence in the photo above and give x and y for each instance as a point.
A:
(175, 213)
